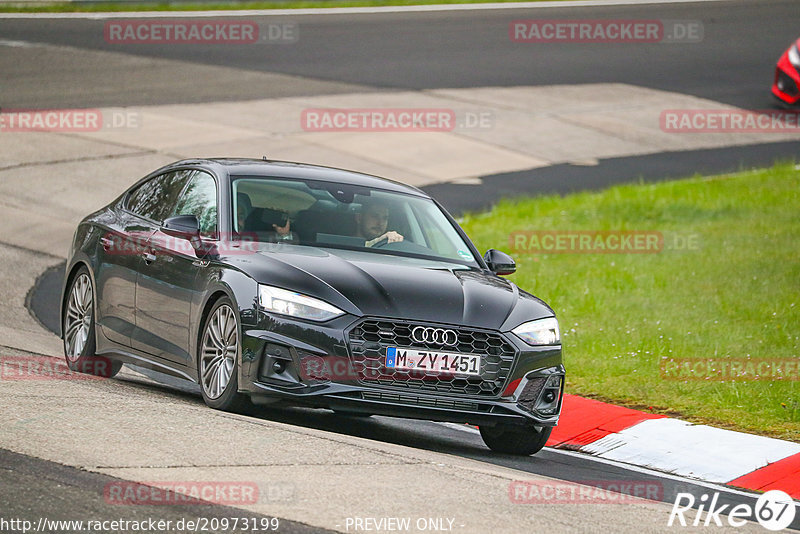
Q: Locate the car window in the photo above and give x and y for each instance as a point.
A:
(200, 199)
(438, 234)
(324, 214)
(156, 198)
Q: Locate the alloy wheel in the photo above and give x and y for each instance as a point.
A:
(218, 351)
(78, 319)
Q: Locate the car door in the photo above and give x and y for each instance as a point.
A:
(166, 282)
(131, 224)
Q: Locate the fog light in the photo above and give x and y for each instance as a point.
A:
(278, 366)
(548, 402)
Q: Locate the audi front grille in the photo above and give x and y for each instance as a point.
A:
(370, 338)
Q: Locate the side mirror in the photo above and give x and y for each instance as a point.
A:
(183, 226)
(188, 227)
(499, 262)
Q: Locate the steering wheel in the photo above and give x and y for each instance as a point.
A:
(382, 243)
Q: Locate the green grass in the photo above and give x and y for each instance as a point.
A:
(736, 296)
(215, 5)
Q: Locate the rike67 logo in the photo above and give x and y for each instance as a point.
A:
(774, 510)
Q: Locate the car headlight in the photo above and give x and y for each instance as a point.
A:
(295, 304)
(540, 332)
(794, 56)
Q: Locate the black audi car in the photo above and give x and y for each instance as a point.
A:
(267, 281)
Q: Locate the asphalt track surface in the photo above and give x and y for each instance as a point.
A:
(569, 178)
(733, 65)
(447, 439)
(32, 488)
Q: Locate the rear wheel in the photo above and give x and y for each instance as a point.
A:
(514, 439)
(78, 327)
(218, 358)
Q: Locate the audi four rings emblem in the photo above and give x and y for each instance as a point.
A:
(436, 336)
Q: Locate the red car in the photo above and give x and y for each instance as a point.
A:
(786, 87)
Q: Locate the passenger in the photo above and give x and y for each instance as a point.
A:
(243, 209)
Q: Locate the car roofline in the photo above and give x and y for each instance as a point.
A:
(236, 167)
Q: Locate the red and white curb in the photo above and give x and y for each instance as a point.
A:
(673, 446)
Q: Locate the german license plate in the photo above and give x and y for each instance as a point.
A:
(403, 358)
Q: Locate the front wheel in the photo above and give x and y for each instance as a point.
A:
(218, 359)
(78, 324)
(514, 439)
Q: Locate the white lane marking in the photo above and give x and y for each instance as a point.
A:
(347, 10)
(17, 44)
(629, 467)
(464, 428)
(654, 472)
(682, 448)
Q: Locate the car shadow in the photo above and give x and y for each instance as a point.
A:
(425, 435)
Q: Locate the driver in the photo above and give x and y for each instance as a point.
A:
(371, 223)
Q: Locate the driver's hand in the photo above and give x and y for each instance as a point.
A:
(282, 230)
(390, 237)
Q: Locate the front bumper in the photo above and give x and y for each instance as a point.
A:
(326, 365)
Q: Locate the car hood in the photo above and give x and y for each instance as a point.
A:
(373, 284)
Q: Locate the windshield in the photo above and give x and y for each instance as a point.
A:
(330, 215)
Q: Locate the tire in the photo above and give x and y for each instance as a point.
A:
(218, 358)
(513, 439)
(77, 324)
